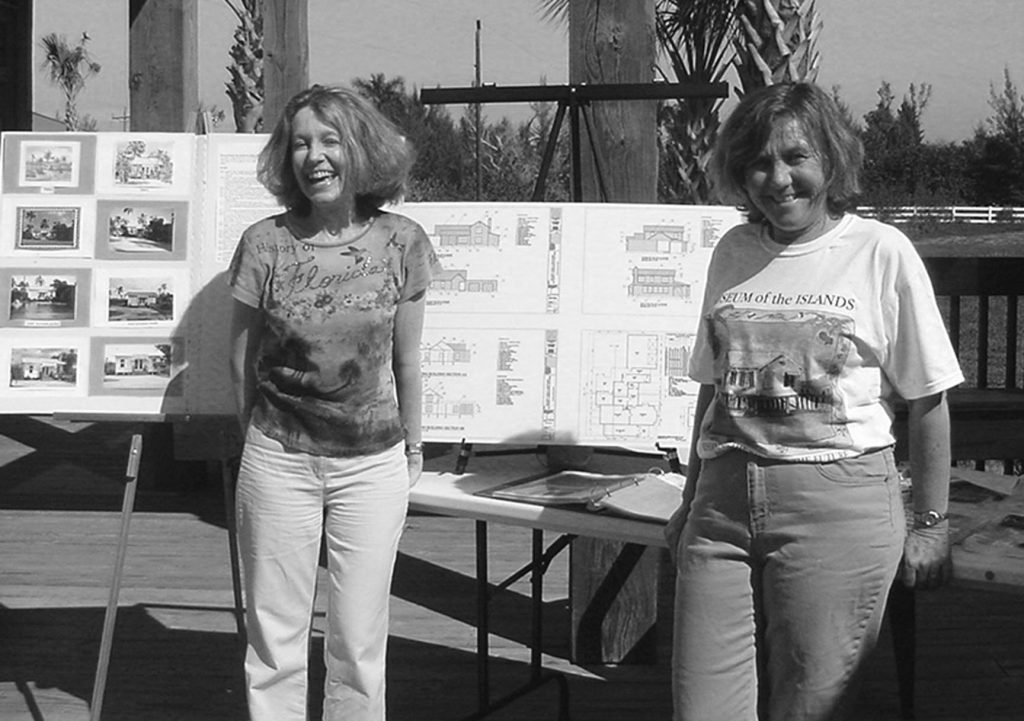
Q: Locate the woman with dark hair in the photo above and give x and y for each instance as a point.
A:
(328, 316)
(792, 526)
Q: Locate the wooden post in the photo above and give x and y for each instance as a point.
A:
(16, 65)
(613, 586)
(163, 64)
(285, 55)
(614, 42)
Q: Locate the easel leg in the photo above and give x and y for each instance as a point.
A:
(110, 618)
(228, 479)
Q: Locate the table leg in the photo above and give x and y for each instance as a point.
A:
(538, 565)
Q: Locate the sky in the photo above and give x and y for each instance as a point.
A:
(960, 49)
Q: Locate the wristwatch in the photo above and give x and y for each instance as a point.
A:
(414, 449)
(929, 518)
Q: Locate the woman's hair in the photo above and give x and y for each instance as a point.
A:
(746, 133)
(376, 156)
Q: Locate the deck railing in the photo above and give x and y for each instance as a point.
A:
(980, 298)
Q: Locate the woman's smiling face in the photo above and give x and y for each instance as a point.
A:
(317, 159)
(788, 184)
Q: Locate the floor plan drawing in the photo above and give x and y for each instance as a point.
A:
(637, 388)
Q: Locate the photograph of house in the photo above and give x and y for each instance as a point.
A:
(43, 367)
(140, 299)
(146, 163)
(141, 229)
(49, 163)
(47, 227)
(43, 298)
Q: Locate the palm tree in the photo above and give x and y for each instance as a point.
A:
(246, 70)
(696, 37)
(777, 42)
(69, 68)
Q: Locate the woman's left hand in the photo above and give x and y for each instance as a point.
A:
(415, 462)
(927, 562)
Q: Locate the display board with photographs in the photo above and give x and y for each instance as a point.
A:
(99, 268)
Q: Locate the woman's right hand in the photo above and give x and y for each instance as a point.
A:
(674, 529)
(415, 465)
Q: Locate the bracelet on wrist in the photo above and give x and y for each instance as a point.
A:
(414, 449)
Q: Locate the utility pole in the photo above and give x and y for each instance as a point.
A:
(124, 117)
(476, 113)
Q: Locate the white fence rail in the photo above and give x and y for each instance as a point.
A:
(949, 214)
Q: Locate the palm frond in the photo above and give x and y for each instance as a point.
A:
(554, 11)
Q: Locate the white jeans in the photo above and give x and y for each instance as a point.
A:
(285, 501)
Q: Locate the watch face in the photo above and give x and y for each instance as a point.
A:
(929, 518)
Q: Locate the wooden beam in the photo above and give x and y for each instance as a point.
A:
(614, 586)
(285, 54)
(16, 64)
(614, 43)
(163, 64)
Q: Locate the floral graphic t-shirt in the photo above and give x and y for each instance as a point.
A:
(324, 378)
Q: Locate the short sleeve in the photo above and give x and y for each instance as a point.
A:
(419, 263)
(247, 272)
(921, 360)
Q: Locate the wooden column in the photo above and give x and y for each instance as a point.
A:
(163, 64)
(285, 55)
(614, 586)
(16, 64)
(614, 42)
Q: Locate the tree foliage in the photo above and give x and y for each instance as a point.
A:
(69, 67)
(902, 168)
(245, 87)
(445, 169)
(776, 42)
(696, 38)
(998, 173)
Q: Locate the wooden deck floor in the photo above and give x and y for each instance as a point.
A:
(176, 654)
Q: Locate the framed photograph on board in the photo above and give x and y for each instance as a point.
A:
(46, 297)
(37, 368)
(138, 366)
(139, 296)
(48, 228)
(49, 163)
(149, 230)
(145, 164)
